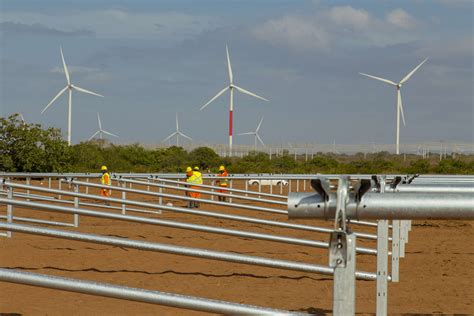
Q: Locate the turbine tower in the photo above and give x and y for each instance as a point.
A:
(231, 88)
(69, 87)
(177, 133)
(399, 99)
(256, 135)
(101, 131)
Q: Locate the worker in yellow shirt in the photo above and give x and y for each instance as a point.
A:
(193, 177)
(105, 180)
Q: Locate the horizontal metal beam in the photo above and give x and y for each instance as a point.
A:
(234, 196)
(172, 224)
(386, 206)
(180, 197)
(179, 250)
(134, 294)
(433, 188)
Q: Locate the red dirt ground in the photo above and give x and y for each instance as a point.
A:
(436, 276)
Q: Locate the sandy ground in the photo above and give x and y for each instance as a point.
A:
(436, 276)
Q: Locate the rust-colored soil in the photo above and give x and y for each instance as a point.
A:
(436, 276)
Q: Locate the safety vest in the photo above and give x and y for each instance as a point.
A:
(105, 180)
(223, 182)
(195, 178)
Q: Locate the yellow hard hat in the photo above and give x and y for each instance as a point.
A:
(103, 168)
(188, 169)
(221, 168)
(196, 168)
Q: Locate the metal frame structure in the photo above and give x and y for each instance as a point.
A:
(351, 201)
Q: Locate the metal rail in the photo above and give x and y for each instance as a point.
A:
(179, 250)
(238, 197)
(134, 294)
(179, 197)
(172, 224)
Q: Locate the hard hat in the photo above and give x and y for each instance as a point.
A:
(196, 168)
(188, 169)
(103, 168)
(221, 168)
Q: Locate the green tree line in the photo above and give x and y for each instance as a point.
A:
(31, 148)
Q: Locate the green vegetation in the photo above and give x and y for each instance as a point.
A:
(29, 148)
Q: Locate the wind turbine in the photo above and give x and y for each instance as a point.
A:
(177, 133)
(101, 131)
(399, 98)
(231, 88)
(256, 135)
(69, 87)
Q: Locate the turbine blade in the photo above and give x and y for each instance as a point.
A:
(248, 133)
(185, 136)
(177, 124)
(229, 67)
(86, 91)
(215, 97)
(54, 99)
(259, 124)
(400, 106)
(65, 67)
(260, 140)
(164, 140)
(108, 133)
(378, 78)
(412, 72)
(98, 119)
(250, 93)
(93, 135)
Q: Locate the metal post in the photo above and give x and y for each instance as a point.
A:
(49, 182)
(382, 267)
(260, 188)
(230, 192)
(148, 187)
(28, 179)
(304, 185)
(402, 239)
(395, 249)
(246, 187)
(281, 187)
(289, 185)
(59, 188)
(124, 197)
(76, 205)
(271, 186)
(87, 187)
(160, 199)
(212, 190)
(9, 210)
(343, 259)
(297, 185)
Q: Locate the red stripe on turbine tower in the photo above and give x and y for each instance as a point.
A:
(230, 123)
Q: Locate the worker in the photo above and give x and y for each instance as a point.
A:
(193, 177)
(105, 180)
(223, 182)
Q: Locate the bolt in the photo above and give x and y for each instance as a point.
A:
(339, 246)
(338, 261)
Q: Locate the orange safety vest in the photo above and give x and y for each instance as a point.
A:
(223, 182)
(105, 179)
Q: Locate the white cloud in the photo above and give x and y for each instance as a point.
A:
(348, 16)
(338, 26)
(402, 19)
(301, 34)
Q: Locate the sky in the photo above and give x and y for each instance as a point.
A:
(151, 59)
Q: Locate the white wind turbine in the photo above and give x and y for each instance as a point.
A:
(231, 88)
(101, 131)
(177, 133)
(399, 98)
(256, 135)
(69, 87)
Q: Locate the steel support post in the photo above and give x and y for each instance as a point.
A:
(230, 192)
(343, 258)
(297, 185)
(395, 250)
(271, 186)
(246, 187)
(289, 185)
(212, 190)
(49, 182)
(402, 238)
(281, 187)
(124, 197)
(76, 205)
(160, 199)
(304, 185)
(59, 187)
(87, 187)
(260, 188)
(9, 210)
(148, 186)
(382, 267)
(28, 181)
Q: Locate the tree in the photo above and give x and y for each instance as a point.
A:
(30, 148)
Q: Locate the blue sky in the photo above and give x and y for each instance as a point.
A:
(151, 59)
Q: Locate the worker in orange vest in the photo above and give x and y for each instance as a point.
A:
(223, 182)
(105, 180)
